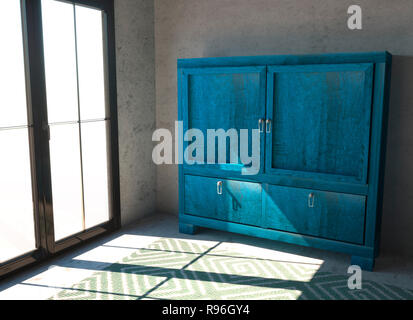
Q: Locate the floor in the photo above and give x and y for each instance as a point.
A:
(73, 275)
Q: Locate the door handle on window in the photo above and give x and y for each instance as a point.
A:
(219, 187)
(268, 125)
(311, 200)
(46, 128)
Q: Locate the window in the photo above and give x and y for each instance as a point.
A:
(17, 233)
(59, 175)
(76, 108)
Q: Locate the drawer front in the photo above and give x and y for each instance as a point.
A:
(226, 200)
(329, 215)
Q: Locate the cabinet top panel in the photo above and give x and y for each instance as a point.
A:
(359, 57)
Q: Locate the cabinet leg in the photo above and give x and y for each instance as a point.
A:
(364, 263)
(187, 228)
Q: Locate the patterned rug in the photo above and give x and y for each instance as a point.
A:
(181, 269)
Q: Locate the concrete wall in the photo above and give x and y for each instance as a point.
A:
(136, 106)
(206, 28)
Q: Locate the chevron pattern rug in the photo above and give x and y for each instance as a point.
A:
(183, 269)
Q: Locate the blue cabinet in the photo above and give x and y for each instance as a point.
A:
(322, 126)
(321, 120)
(221, 199)
(223, 98)
(330, 215)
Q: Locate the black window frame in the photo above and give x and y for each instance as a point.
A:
(46, 246)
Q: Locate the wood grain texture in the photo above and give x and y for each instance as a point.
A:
(284, 236)
(333, 215)
(321, 116)
(239, 202)
(328, 138)
(304, 59)
(224, 98)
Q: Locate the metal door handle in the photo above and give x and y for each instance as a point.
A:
(268, 125)
(311, 200)
(219, 187)
(261, 125)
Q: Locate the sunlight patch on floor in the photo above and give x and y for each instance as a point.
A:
(223, 259)
(264, 253)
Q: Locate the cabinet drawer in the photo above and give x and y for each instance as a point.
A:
(329, 215)
(221, 199)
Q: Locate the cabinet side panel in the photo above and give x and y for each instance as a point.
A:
(377, 153)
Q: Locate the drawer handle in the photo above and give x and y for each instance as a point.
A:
(268, 124)
(261, 125)
(219, 187)
(311, 200)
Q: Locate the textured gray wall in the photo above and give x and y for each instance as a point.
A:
(136, 106)
(206, 28)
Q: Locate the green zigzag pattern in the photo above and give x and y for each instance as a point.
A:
(179, 269)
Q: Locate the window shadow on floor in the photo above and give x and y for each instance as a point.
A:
(204, 271)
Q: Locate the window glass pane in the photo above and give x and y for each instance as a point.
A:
(13, 110)
(60, 60)
(16, 205)
(95, 168)
(90, 62)
(73, 43)
(66, 180)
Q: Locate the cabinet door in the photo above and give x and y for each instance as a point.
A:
(223, 98)
(227, 200)
(321, 121)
